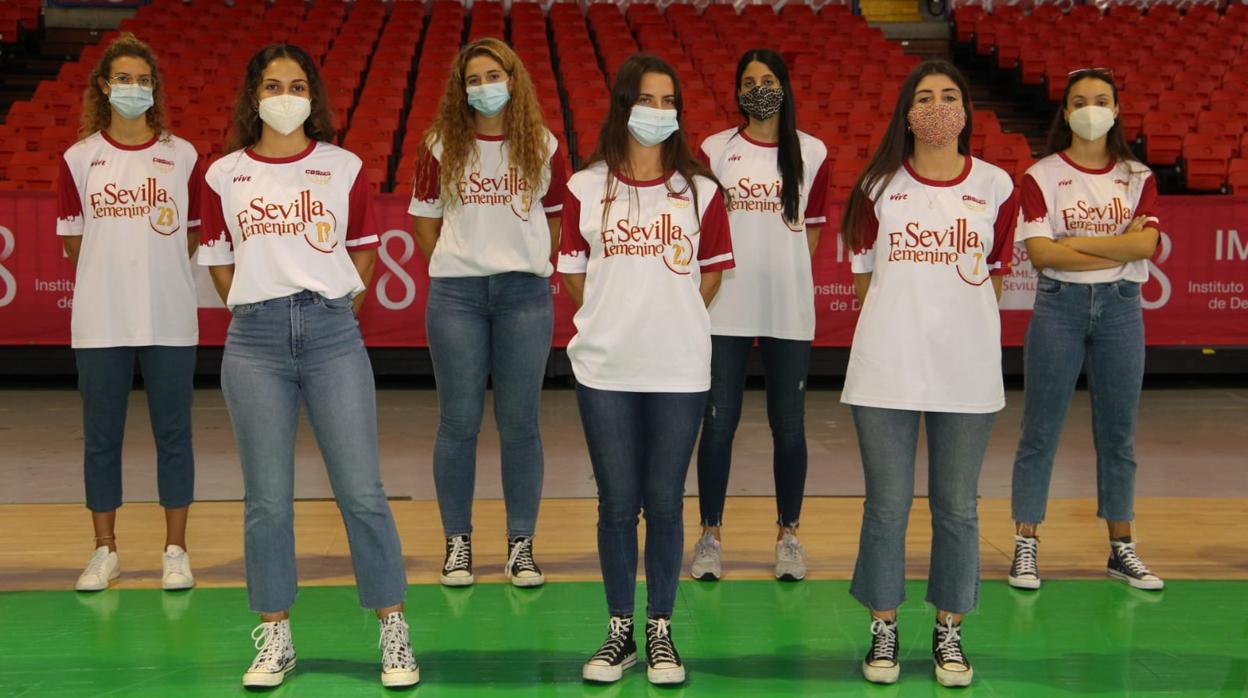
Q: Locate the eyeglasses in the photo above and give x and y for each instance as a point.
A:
(144, 81)
(1080, 71)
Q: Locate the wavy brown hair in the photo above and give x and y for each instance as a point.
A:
(97, 113)
(614, 138)
(246, 127)
(454, 128)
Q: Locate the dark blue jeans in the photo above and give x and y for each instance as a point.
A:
(640, 445)
(785, 365)
(105, 377)
(480, 329)
(1100, 327)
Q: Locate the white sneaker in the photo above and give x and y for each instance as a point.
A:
(398, 663)
(276, 658)
(177, 569)
(790, 559)
(707, 559)
(102, 568)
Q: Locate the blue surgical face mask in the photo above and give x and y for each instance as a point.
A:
(652, 126)
(131, 101)
(490, 98)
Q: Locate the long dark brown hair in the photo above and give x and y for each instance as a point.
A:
(1060, 135)
(97, 113)
(613, 139)
(246, 128)
(789, 154)
(896, 148)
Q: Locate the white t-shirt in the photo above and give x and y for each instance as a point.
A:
(286, 224)
(1061, 199)
(496, 224)
(643, 326)
(929, 335)
(133, 207)
(771, 292)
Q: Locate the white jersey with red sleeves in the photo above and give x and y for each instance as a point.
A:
(1058, 199)
(133, 207)
(642, 247)
(929, 335)
(771, 292)
(286, 224)
(497, 222)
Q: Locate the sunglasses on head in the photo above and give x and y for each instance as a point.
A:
(1081, 71)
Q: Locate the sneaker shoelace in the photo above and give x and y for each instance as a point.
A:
(457, 558)
(177, 563)
(790, 550)
(521, 557)
(1025, 557)
(659, 645)
(705, 546)
(269, 639)
(396, 648)
(949, 646)
(618, 632)
(883, 640)
(1127, 556)
(96, 564)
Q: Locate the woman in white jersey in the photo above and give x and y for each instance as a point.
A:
(291, 239)
(128, 215)
(486, 199)
(931, 229)
(1089, 223)
(777, 183)
(646, 240)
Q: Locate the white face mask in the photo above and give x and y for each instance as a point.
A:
(1090, 123)
(285, 113)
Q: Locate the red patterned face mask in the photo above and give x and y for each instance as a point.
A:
(937, 123)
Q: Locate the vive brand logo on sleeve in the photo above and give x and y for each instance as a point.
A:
(956, 246)
(148, 200)
(305, 216)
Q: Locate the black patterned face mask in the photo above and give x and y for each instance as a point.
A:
(762, 102)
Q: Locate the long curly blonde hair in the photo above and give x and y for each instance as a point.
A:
(455, 131)
(97, 113)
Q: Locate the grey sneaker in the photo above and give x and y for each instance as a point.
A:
(790, 559)
(706, 559)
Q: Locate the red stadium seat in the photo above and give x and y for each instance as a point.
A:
(1205, 166)
(1237, 176)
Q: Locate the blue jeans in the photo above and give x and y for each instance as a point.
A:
(278, 353)
(640, 445)
(956, 444)
(481, 328)
(785, 364)
(105, 377)
(1100, 326)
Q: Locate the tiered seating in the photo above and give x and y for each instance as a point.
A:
(1183, 91)
(583, 81)
(16, 15)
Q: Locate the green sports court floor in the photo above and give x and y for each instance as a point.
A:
(743, 638)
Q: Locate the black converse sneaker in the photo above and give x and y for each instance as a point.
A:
(457, 569)
(618, 652)
(952, 666)
(662, 660)
(398, 663)
(1024, 574)
(521, 569)
(1124, 564)
(881, 665)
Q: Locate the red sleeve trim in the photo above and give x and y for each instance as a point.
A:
(1031, 200)
(213, 228)
(194, 189)
(572, 243)
(362, 229)
(69, 201)
(1147, 205)
(425, 185)
(557, 190)
(706, 159)
(715, 246)
(1001, 258)
(817, 204)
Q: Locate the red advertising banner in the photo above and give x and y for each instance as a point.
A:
(1197, 293)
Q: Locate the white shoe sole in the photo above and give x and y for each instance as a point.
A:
(458, 581)
(954, 679)
(527, 582)
(1137, 583)
(1024, 582)
(399, 679)
(599, 673)
(881, 674)
(265, 679)
(178, 585)
(96, 586)
(666, 677)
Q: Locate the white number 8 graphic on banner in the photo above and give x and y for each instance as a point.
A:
(1156, 273)
(395, 270)
(7, 282)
